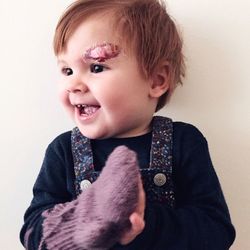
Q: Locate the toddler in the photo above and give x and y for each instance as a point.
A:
(120, 61)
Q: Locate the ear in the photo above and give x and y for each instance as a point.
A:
(160, 80)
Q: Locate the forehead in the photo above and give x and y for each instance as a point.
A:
(95, 30)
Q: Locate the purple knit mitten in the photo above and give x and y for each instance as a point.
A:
(97, 219)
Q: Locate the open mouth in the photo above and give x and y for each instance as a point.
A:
(87, 110)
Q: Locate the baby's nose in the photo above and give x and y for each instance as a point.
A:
(77, 85)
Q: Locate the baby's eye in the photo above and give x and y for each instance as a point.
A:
(96, 68)
(67, 71)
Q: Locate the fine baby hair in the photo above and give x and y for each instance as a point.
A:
(143, 25)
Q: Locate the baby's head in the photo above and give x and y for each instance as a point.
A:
(115, 32)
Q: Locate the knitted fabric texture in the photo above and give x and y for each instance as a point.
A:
(97, 219)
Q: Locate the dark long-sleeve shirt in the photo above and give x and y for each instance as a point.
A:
(200, 219)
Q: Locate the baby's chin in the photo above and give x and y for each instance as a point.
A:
(96, 132)
(93, 134)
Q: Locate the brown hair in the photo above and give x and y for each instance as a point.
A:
(143, 24)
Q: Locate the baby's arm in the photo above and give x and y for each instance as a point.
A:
(95, 219)
(200, 219)
(51, 188)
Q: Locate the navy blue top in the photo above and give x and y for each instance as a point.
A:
(200, 219)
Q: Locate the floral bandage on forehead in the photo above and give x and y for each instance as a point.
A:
(102, 52)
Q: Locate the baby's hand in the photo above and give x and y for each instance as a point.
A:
(136, 219)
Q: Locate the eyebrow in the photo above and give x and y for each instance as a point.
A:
(102, 52)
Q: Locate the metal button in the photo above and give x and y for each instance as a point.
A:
(85, 184)
(160, 179)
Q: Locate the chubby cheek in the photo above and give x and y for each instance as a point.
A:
(118, 107)
(64, 99)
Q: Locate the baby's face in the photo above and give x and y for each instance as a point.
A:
(101, 85)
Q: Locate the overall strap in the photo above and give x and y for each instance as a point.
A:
(158, 178)
(162, 143)
(83, 159)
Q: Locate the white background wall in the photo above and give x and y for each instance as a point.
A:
(215, 97)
